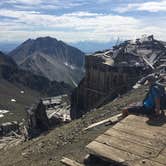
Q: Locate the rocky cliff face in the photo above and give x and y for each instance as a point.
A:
(112, 72)
(10, 72)
(50, 58)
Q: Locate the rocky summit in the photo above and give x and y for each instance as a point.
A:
(50, 58)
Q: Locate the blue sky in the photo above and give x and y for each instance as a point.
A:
(81, 20)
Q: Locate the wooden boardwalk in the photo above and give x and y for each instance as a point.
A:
(132, 142)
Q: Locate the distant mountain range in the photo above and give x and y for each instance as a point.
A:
(84, 46)
(92, 46)
(6, 47)
(50, 58)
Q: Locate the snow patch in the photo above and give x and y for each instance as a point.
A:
(2, 112)
(13, 100)
(136, 86)
(1, 115)
(70, 66)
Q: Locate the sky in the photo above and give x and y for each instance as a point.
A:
(82, 20)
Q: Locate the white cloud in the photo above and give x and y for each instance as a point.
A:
(83, 14)
(152, 6)
(73, 27)
(40, 4)
(27, 2)
(103, 1)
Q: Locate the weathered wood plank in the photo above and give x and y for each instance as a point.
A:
(127, 146)
(143, 162)
(112, 119)
(164, 151)
(110, 153)
(160, 159)
(135, 117)
(133, 138)
(132, 141)
(158, 123)
(144, 132)
(70, 162)
(144, 126)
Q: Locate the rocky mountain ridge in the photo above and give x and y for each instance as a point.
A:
(50, 58)
(10, 72)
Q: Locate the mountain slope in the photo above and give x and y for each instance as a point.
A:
(50, 58)
(21, 95)
(69, 140)
(24, 88)
(12, 73)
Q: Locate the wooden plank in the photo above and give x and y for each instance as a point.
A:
(110, 153)
(144, 126)
(112, 119)
(145, 133)
(70, 162)
(141, 124)
(127, 146)
(164, 151)
(148, 63)
(144, 162)
(134, 117)
(143, 120)
(134, 139)
(160, 159)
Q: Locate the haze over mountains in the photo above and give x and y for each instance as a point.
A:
(50, 58)
(92, 46)
(6, 47)
(84, 46)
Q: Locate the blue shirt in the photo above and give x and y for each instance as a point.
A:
(149, 101)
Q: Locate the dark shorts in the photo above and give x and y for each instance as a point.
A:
(138, 108)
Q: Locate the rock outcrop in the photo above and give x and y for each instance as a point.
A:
(113, 72)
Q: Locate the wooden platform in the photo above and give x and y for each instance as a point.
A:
(133, 142)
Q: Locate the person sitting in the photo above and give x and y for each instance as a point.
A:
(151, 105)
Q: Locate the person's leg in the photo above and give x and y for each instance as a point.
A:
(136, 110)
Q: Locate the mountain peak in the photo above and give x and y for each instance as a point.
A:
(28, 40)
(46, 38)
(51, 58)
